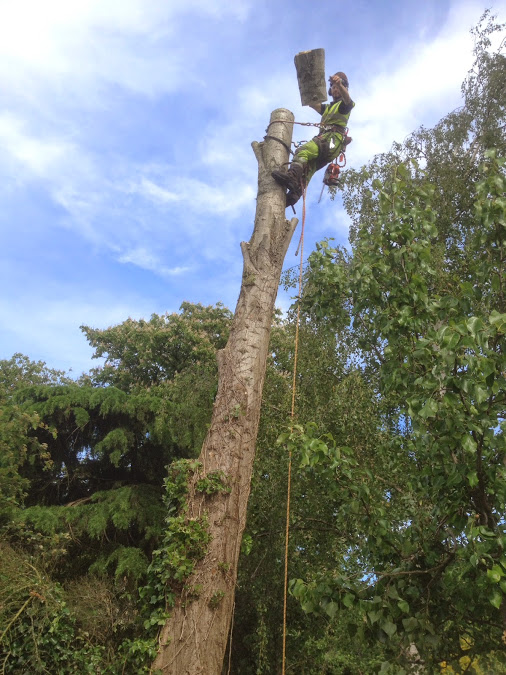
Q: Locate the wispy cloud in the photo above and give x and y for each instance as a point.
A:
(130, 209)
(145, 259)
(30, 155)
(51, 327)
(402, 95)
(87, 42)
(133, 209)
(225, 199)
(225, 145)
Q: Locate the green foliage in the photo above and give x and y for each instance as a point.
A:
(147, 353)
(416, 301)
(184, 542)
(106, 522)
(216, 599)
(81, 479)
(334, 394)
(212, 483)
(126, 562)
(18, 444)
(437, 540)
(85, 628)
(450, 153)
(38, 633)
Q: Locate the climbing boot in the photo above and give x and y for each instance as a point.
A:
(292, 197)
(292, 179)
(281, 178)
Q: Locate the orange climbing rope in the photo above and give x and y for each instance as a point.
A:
(292, 416)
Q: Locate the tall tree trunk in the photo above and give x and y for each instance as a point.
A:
(194, 639)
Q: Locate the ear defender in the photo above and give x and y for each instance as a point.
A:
(343, 79)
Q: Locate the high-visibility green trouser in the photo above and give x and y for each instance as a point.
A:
(317, 152)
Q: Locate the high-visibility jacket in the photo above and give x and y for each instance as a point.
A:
(332, 116)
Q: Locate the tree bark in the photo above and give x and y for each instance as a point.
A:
(310, 68)
(194, 639)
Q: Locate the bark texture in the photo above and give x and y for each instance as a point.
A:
(310, 68)
(194, 639)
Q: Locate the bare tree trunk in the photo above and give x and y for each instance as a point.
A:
(194, 639)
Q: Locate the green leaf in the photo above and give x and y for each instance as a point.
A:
(403, 606)
(374, 616)
(474, 325)
(468, 443)
(498, 320)
(472, 477)
(480, 394)
(403, 171)
(496, 599)
(393, 593)
(389, 628)
(348, 600)
(410, 624)
(308, 607)
(495, 574)
(429, 409)
(332, 608)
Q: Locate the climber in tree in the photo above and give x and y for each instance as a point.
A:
(325, 147)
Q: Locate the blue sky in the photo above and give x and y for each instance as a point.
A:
(127, 179)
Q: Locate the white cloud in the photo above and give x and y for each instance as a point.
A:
(145, 259)
(132, 210)
(56, 59)
(80, 80)
(400, 98)
(335, 222)
(39, 157)
(49, 324)
(83, 42)
(156, 193)
(224, 199)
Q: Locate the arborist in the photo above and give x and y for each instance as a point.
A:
(324, 148)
